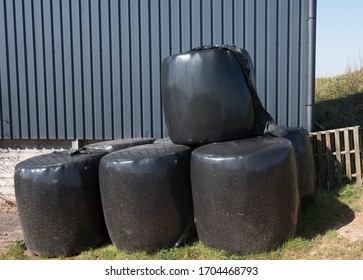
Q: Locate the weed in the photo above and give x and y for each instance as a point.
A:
(14, 252)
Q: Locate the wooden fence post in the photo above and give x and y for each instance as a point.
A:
(357, 153)
(338, 158)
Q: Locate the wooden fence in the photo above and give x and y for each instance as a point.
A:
(337, 156)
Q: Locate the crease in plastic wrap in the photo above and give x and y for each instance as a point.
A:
(118, 144)
(265, 124)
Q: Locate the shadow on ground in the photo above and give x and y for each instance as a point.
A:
(341, 112)
(324, 214)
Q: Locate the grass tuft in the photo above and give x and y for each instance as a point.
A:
(14, 252)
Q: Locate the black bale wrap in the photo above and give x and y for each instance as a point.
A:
(119, 144)
(59, 203)
(299, 138)
(146, 196)
(265, 124)
(206, 98)
(209, 96)
(245, 194)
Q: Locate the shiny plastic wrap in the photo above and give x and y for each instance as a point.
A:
(206, 98)
(299, 138)
(119, 144)
(245, 194)
(163, 141)
(146, 196)
(59, 203)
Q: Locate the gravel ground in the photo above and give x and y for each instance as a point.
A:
(10, 230)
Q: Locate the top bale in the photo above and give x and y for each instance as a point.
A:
(206, 97)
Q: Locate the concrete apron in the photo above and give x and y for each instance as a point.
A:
(8, 159)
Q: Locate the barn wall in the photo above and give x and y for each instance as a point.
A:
(90, 69)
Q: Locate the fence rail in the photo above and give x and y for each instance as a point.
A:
(337, 156)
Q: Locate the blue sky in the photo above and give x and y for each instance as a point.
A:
(339, 36)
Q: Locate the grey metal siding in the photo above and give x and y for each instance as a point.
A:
(90, 69)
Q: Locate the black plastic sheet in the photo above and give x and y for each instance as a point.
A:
(299, 138)
(119, 144)
(245, 194)
(265, 124)
(206, 98)
(163, 141)
(59, 203)
(146, 196)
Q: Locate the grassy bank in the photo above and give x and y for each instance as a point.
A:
(339, 101)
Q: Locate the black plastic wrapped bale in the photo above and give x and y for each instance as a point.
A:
(206, 98)
(146, 196)
(59, 203)
(299, 138)
(119, 144)
(245, 194)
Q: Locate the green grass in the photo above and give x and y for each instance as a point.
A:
(327, 212)
(339, 100)
(14, 252)
(351, 195)
(337, 87)
(318, 238)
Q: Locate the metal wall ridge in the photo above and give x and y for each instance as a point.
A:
(90, 69)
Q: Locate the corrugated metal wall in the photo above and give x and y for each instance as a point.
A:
(90, 69)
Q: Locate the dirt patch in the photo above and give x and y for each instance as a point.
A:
(10, 230)
(354, 230)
